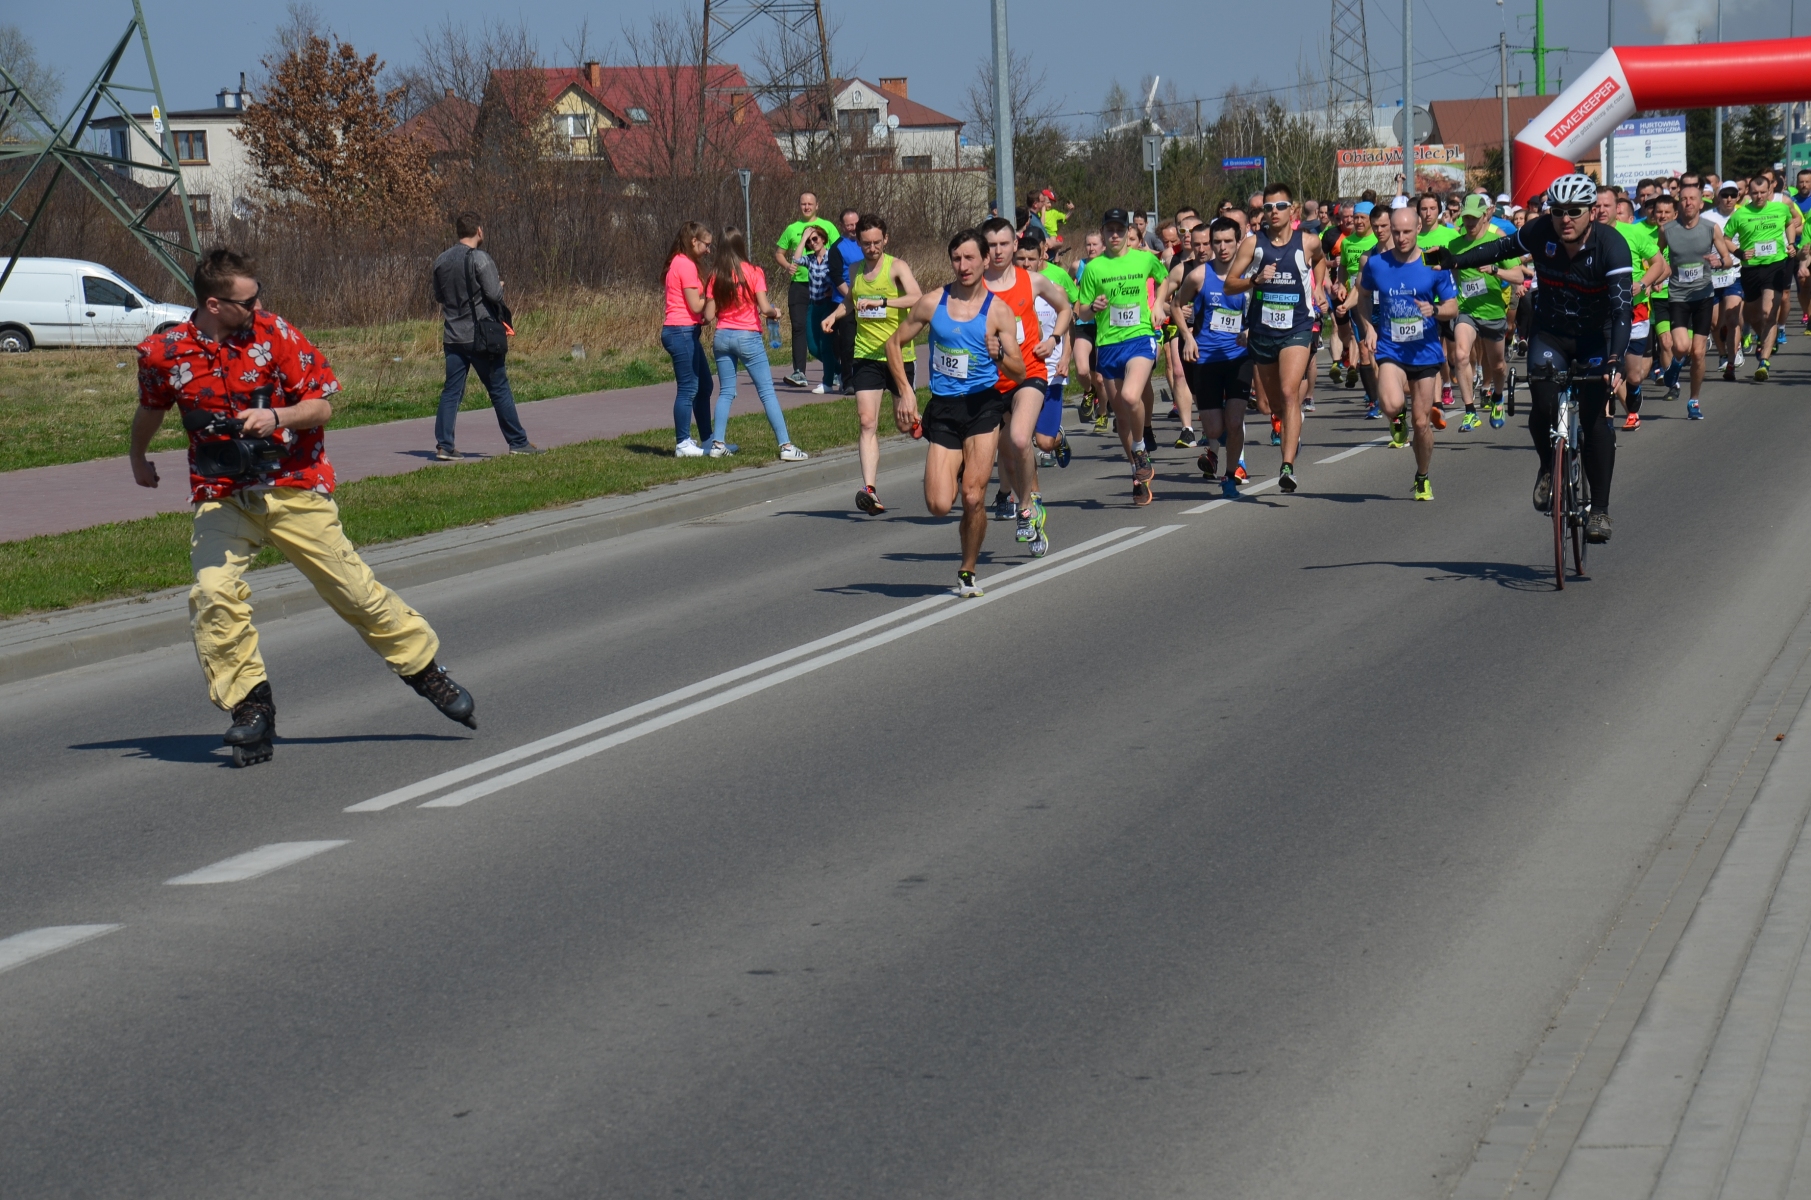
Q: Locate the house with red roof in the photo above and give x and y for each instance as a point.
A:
(639, 122)
(879, 127)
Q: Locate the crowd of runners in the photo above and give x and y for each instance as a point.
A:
(1423, 301)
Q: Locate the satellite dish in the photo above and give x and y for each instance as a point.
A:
(1424, 126)
(892, 122)
(880, 129)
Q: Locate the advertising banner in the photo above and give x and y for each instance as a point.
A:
(1648, 147)
(1438, 168)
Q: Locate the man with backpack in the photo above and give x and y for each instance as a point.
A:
(475, 337)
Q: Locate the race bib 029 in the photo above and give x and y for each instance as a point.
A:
(1407, 329)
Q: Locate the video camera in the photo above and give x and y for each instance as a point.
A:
(224, 452)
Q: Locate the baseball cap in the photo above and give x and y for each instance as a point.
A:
(1400, 202)
(1731, 186)
(1502, 197)
(1115, 216)
(1048, 194)
(1363, 208)
(1474, 206)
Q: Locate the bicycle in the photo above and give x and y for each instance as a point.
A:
(1571, 499)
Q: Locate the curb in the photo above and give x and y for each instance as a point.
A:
(39, 645)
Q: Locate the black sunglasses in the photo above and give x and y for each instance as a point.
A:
(247, 304)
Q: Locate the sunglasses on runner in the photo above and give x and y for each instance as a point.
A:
(1276, 205)
(1570, 210)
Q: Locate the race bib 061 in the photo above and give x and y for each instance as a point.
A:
(952, 364)
(1471, 289)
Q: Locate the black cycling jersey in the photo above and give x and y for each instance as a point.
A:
(1579, 294)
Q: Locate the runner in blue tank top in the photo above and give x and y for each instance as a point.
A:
(1214, 337)
(1285, 272)
(1402, 300)
(973, 346)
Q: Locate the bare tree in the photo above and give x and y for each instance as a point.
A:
(1032, 106)
(39, 81)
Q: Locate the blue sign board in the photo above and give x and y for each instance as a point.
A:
(1242, 164)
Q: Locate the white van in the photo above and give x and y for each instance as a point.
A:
(68, 302)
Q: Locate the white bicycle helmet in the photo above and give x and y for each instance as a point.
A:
(1572, 189)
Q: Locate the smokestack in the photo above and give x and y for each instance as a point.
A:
(594, 75)
(895, 84)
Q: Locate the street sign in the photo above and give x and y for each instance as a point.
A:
(1242, 164)
(1153, 151)
(1424, 126)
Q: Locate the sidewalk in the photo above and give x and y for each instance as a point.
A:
(43, 500)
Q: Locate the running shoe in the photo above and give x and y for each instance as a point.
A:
(1045, 458)
(1141, 493)
(1634, 422)
(1472, 421)
(797, 379)
(1373, 413)
(1351, 377)
(1286, 477)
(1186, 440)
(1693, 412)
(1141, 466)
(1779, 342)
(791, 453)
(1424, 488)
(1748, 340)
(1543, 492)
(1241, 475)
(1027, 525)
(967, 586)
(1229, 488)
(869, 503)
(685, 449)
(1729, 371)
(1004, 508)
(1084, 408)
(1760, 371)
(1446, 395)
(1276, 431)
(1100, 423)
(1499, 413)
(1307, 404)
(1209, 462)
(1672, 393)
(1063, 453)
(1175, 413)
(1150, 437)
(1597, 528)
(1040, 544)
(1437, 417)
(1399, 431)
(1740, 360)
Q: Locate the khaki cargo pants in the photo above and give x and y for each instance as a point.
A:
(304, 527)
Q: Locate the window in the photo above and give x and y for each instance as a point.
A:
(855, 124)
(202, 206)
(915, 162)
(96, 290)
(573, 125)
(191, 145)
(119, 146)
(639, 115)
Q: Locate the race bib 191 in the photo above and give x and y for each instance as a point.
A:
(1724, 279)
(1690, 273)
(1471, 289)
(1279, 316)
(1224, 320)
(951, 364)
(1125, 316)
(1407, 329)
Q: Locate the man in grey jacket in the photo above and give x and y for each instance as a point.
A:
(466, 287)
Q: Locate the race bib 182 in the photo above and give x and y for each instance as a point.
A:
(951, 364)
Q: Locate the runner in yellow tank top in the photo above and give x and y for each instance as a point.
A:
(882, 290)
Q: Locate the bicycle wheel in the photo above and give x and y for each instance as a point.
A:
(1509, 391)
(1577, 504)
(1558, 504)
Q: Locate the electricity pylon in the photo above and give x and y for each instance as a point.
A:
(57, 150)
(1349, 60)
(800, 51)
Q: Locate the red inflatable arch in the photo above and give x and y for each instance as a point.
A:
(1626, 80)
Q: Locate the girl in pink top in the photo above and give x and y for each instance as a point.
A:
(682, 336)
(736, 303)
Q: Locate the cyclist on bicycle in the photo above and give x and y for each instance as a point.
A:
(1581, 326)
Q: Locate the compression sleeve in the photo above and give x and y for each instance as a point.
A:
(1495, 250)
(1619, 281)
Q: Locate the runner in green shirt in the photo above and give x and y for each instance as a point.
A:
(1428, 208)
(1352, 250)
(798, 295)
(1483, 320)
(1766, 229)
(1118, 287)
(1646, 253)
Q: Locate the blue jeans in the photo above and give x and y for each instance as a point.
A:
(692, 370)
(495, 377)
(744, 348)
(823, 345)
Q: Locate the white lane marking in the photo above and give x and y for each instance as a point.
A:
(521, 774)
(622, 716)
(21, 948)
(1211, 505)
(1321, 462)
(254, 863)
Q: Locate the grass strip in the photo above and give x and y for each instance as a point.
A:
(134, 557)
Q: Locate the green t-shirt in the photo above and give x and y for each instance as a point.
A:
(795, 234)
(1480, 294)
(1122, 281)
(1644, 248)
(1351, 255)
(1053, 220)
(1061, 278)
(1762, 230)
(1439, 235)
(1664, 290)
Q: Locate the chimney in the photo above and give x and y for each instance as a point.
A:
(895, 84)
(594, 75)
(449, 93)
(738, 107)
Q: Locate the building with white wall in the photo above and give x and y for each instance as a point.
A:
(216, 170)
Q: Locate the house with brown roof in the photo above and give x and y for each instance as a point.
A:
(911, 137)
(1477, 125)
(638, 122)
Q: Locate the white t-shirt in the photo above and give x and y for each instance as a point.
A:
(1047, 326)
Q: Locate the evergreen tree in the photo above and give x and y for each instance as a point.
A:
(1749, 142)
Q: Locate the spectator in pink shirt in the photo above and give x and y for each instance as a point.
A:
(682, 336)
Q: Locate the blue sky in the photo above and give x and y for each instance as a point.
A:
(937, 44)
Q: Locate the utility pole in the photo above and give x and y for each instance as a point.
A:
(1004, 189)
(1609, 143)
(1540, 47)
(1719, 145)
(1503, 94)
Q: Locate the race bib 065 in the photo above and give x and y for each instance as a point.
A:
(1690, 273)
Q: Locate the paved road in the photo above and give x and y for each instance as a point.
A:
(1247, 853)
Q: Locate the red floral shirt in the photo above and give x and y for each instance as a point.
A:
(184, 368)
